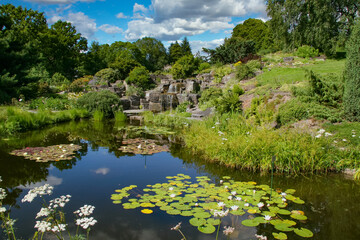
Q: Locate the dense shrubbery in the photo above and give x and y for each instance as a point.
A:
(352, 76)
(245, 71)
(184, 67)
(50, 103)
(222, 100)
(140, 77)
(221, 72)
(203, 67)
(124, 66)
(307, 52)
(108, 74)
(104, 101)
(80, 84)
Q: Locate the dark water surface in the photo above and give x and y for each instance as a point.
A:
(332, 201)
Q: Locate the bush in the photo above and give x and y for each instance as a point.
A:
(352, 76)
(245, 71)
(292, 111)
(184, 67)
(59, 80)
(209, 96)
(98, 116)
(108, 75)
(181, 108)
(221, 72)
(140, 77)
(104, 101)
(204, 66)
(50, 103)
(133, 90)
(237, 90)
(124, 66)
(223, 101)
(80, 84)
(306, 51)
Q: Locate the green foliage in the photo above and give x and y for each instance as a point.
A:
(134, 90)
(108, 75)
(16, 120)
(105, 101)
(124, 66)
(204, 66)
(50, 103)
(256, 30)
(237, 90)
(80, 84)
(221, 72)
(59, 80)
(352, 76)
(232, 51)
(243, 71)
(153, 53)
(178, 50)
(292, 111)
(140, 77)
(208, 97)
(181, 108)
(120, 116)
(222, 100)
(184, 67)
(306, 51)
(98, 116)
(177, 121)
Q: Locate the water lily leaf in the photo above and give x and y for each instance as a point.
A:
(213, 221)
(187, 213)
(202, 215)
(147, 205)
(252, 211)
(280, 236)
(250, 223)
(207, 228)
(284, 212)
(116, 202)
(147, 211)
(238, 212)
(284, 227)
(303, 232)
(173, 212)
(197, 221)
(298, 217)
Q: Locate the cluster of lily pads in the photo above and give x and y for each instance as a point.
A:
(148, 130)
(142, 146)
(50, 153)
(207, 203)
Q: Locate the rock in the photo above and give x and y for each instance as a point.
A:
(194, 98)
(153, 97)
(227, 78)
(288, 59)
(125, 103)
(192, 87)
(134, 102)
(258, 72)
(144, 103)
(155, 107)
(197, 113)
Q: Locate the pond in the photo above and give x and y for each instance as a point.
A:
(99, 168)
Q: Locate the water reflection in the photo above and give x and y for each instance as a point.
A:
(332, 202)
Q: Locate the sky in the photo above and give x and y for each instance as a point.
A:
(204, 22)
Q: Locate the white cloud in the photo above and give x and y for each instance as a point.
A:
(173, 19)
(83, 24)
(121, 15)
(102, 171)
(196, 46)
(51, 180)
(110, 29)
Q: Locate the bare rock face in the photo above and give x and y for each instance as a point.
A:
(125, 103)
(155, 107)
(192, 87)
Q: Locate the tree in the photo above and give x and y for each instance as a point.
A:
(317, 23)
(184, 67)
(124, 66)
(153, 53)
(352, 76)
(62, 48)
(185, 47)
(94, 60)
(255, 30)
(175, 52)
(140, 77)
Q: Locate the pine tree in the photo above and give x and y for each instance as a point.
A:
(352, 76)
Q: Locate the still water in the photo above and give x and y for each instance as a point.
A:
(332, 202)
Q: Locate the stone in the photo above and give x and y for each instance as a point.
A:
(194, 98)
(155, 107)
(125, 103)
(192, 87)
(288, 59)
(144, 103)
(153, 97)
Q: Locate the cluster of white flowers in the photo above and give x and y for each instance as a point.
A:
(230, 197)
(228, 230)
(2, 209)
(238, 198)
(221, 204)
(267, 217)
(246, 204)
(33, 193)
(234, 208)
(2, 193)
(59, 228)
(85, 210)
(221, 213)
(59, 202)
(10, 222)
(233, 193)
(43, 226)
(85, 222)
(321, 132)
(177, 227)
(260, 204)
(44, 212)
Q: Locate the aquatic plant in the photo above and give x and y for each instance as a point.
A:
(142, 146)
(206, 204)
(50, 153)
(51, 215)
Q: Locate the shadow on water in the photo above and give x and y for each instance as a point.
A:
(99, 167)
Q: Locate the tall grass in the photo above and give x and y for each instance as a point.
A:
(120, 116)
(14, 119)
(165, 119)
(232, 141)
(98, 116)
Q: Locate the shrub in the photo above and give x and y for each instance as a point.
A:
(184, 67)
(80, 84)
(133, 90)
(124, 66)
(352, 76)
(59, 80)
(245, 71)
(140, 77)
(292, 111)
(237, 90)
(204, 66)
(306, 51)
(120, 116)
(221, 72)
(209, 96)
(181, 108)
(104, 101)
(254, 65)
(50, 103)
(98, 116)
(108, 74)
(222, 101)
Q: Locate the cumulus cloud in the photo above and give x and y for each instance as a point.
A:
(83, 24)
(196, 46)
(51, 180)
(121, 15)
(102, 171)
(173, 19)
(110, 29)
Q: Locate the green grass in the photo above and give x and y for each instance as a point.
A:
(165, 119)
(234, 141)
(14, 119)
(120, 117)
(98, 116)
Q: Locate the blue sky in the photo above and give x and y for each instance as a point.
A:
(205, 22)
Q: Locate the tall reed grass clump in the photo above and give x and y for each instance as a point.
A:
(14, 119)
(165, 119)
(98, 116)
(120, 116)
(233, 141)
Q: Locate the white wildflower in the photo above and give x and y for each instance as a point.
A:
(2, 193)
(318, 136)
(238, 198)
(2, 209)
(221, 204)
(246, 204)
(59, 202)
(228, 230)
(217, 123)
(85, 222)
(85, 210)
(344, 140)
(283, 194)
(260, 204)
(221, 133)
(173, 195)
(44, 212)
(59, 228)
(321, 131)
(261, 237)
(42, 190)
(328, 134)
(353, 135)
(230, 197)
(233, 193)
(43, 226)
(171, 188)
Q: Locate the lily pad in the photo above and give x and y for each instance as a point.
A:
(142, 146)
(207, 228)
(197, 222)
(303, 232)
(250, 223)
(280, 236)
(147, 211)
